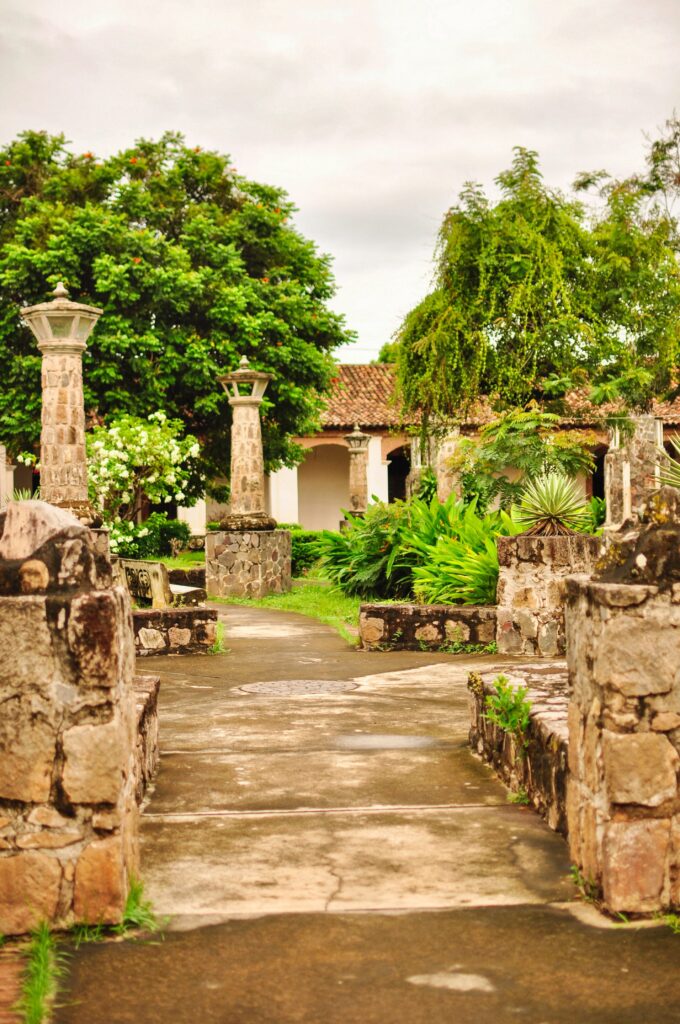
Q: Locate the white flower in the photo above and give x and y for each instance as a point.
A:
(179, 496)
(167, 499)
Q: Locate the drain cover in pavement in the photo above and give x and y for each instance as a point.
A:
(294, 687)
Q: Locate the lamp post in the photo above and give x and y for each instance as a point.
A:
(61, 328)
(247, 499)
(358, 469)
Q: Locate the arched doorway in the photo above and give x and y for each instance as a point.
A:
(397, 472)
(323, 487)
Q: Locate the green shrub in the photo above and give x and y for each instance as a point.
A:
(442, 551)
(150, 539)
(305, 545)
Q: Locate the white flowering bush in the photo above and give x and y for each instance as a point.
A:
(134, 459)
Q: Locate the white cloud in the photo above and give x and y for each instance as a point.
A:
(371, 113)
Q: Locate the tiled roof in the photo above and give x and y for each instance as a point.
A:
(363, 394)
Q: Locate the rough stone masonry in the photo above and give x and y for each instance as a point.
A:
(623, 649)
(68, 814)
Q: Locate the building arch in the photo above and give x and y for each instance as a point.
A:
(323, 486)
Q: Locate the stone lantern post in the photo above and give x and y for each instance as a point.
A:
(247, 499)
(62, 328)
(248, 557)
(358, 470)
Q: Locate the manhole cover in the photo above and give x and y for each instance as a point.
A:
(294, 687)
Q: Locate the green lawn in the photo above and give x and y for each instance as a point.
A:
(187, 560)
(316, 600)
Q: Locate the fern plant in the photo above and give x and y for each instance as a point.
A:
(551, 506)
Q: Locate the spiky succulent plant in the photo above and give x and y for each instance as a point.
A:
(551, 506)
(670, 466)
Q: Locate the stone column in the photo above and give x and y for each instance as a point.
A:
(623, 650)
(448, 478)
(68, 775)
(358, 470)
(61, 328)
(632, 469)
(248, 557)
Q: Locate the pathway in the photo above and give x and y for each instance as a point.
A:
(330, 851)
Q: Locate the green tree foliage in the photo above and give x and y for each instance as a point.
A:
(532, 289)
(528, 440)
(193, 264)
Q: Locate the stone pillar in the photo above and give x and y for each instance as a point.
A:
(632, 469)
(68, 814)
(358, 470)
(248, 557)
(448, 478)
(62, 328)
(623, 631)
(530, 612)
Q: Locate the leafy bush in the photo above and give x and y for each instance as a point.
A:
(532, 443)
(462, 566)
(442, 551)
(150, 539)
(551, 506)
(360, 559)
(305, 552)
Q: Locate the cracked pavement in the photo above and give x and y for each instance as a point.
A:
(342, 856)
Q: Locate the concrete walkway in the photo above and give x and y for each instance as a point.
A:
(328, 850)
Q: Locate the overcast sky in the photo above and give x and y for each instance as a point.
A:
(371, 113)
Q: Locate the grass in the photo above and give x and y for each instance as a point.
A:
(317, 601)
(187, 560)
(218, 647)
(44, 967)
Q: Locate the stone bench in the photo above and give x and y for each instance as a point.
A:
(148, 582)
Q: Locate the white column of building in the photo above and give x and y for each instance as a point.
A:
(283, 495)
(377, 471)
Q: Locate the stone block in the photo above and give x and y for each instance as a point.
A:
(100, 883)
(27, 752)
(371, 628)
(634, 865)
(95, 761)
(93, 628)
(29, 890)
(25, 633)
(640, 768)
(638, 662)
(179, 637)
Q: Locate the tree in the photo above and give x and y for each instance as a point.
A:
(133, 461)
(531, 296)
(531, 443)
(194, 265)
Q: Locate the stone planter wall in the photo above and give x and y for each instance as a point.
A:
(415, 627)
(530, 612)
(188, 577)
(623, 630)
(540, 769)
(68, 755)
(250, 563)
(174, 630)
(147, 754)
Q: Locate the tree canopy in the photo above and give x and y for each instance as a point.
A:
(194, 265)
(533, 294)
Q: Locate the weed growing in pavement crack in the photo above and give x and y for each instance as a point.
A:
(44, 968)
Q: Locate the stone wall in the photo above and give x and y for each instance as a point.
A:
(68, 772)
(623, 629)
(248, 563)
(530, 612)
(539, 769)
(632, 469)
(174, 630)
(416, 627)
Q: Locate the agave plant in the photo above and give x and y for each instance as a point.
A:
(551, 506)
